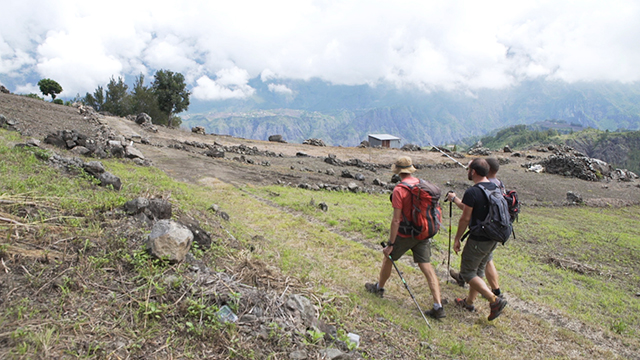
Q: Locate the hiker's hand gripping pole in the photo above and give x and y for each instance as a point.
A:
(447, 155)
(450, 215)
(406, 286)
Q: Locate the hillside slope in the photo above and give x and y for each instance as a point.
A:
(77, 283)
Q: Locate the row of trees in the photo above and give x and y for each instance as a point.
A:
(166, 97)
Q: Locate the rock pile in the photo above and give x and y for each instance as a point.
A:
(198, 130)
(314, 142)
(479, 151)
(577, 165)
(364, 144)
(4, 90)
(99, 146)
(7, 123)
(410, 147)
(332, 160)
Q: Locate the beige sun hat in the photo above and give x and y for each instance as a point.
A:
(403, 165)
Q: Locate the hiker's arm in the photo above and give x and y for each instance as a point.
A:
(393, 232)
(452, 197)
(462, 226)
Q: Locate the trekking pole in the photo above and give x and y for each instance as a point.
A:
(407, 286)
(447, 155)
(450, 216)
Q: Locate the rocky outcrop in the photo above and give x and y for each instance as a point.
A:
(4, 90)
(198, 130)
(314, 142)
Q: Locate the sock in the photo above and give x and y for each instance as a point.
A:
(496, 292)
(378, 286)
(436, 306)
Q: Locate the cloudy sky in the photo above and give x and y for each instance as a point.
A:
(220, 45)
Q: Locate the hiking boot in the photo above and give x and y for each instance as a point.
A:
(463, 304)
(373, 288)
(497, 307)
(436, 314)
(456, 276)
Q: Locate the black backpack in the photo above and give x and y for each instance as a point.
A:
(497, 225)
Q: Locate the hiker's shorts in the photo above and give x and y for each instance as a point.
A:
(475, 256)
(421, 249)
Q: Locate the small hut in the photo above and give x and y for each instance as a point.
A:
(384, 140)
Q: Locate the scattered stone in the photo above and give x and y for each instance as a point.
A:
(107, 178)
(353, 187)
(214, 207)
(4, 90)
(516, 154)
(359, 177)
(169, 240)
(314, 142)
(346, 174)
(506, 149)
(323, 206)
(80, 150)
(133, 153)
(503, 160)
(198, 130)
(215, 153)
(542, 150)
(330, 171)
(333, 354)
(302, 305)
(224, 215)
(298, 355)
(200, 236)
(136, 206)
(395, 178)
(574, 198)
(302, 154)
(276, 138)
(160, 209)
(94, 168)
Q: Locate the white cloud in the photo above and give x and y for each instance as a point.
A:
(280, 88)
(229, 84)
(429, 44)
(28, 89)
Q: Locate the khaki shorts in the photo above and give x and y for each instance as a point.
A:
(421, 249)
(475, 256)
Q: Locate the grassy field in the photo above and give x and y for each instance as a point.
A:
(76, 282)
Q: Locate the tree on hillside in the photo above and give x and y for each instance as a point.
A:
(96, 101)
(171, 93)
(49, 87)
(117, 99)
(143, 100)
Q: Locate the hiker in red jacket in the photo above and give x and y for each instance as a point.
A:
(400, 244)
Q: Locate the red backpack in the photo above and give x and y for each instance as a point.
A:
(426, 214)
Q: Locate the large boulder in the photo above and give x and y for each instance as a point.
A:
(4, 90)
(143, 119)
(169, 240)
(276, 138)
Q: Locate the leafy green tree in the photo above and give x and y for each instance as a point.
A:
(116, 98)
(143, 100)
(49, 87)
(171, 93)
(96, 101)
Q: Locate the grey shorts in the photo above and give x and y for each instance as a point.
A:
(421, 249)
(475, 256)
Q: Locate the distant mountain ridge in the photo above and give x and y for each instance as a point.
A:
(344, 115)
